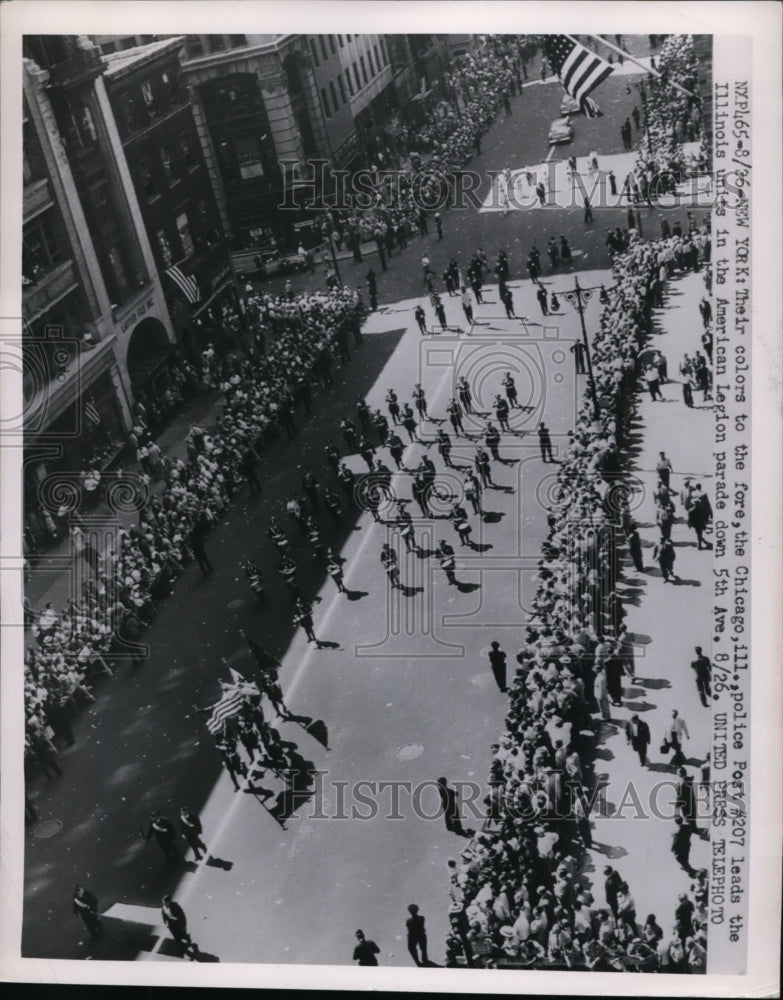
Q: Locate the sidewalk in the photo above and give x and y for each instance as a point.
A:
(665, 622)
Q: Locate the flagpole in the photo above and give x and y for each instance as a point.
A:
(647, 69)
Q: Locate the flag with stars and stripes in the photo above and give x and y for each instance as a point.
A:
(187, 284)
(578, 69)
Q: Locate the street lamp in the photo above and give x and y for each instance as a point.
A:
(579, 298)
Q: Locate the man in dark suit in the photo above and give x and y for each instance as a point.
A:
(164, 833)
(174, 918)
(612, 887)
(702, 667)
(637, 732)
(191, 831)
(85, 905)
(448, 801)
(497, 660)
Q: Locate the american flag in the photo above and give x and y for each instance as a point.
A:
(233, 699)
(91, 412)
(579, 70)
(187, 284)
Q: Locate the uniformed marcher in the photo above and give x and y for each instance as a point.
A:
(420, 401)
(85, 905)
(164, 833)
(333, 505)
(175, 920)
(454, 411)
(444, 446)
(420, 490)
(459, 518)
(233, 762)
(191, 831)
(310, 487)
(347, 480)
(465, 394)
(409, 422)
(335, 570)
(287, 571)
(363, 413)
(511, 390)
(393, 406)
(381, 425)
(445, 554)
(389, 563)
(396, 448)
(492, 440)
(501, 412)
(483, 467)
(405, 522)
(303, 615)
(349, 434)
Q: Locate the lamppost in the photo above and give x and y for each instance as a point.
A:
(579, 298)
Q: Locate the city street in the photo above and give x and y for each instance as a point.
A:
(403, 685)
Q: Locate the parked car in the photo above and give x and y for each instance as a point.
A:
(569, 106)
(560, 131)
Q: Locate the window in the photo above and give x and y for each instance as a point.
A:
(169, 166)
(186, 151)
(332, 45)
(356, 75)
(340, 40)
(171, 88)
(333, 92)
(237, 41)
(194, 46)
(81, 128)
(185, 238)
(217, 43)
(323, 48)
(370, 63)
(325, 100)
(314, 53)
(147, 178)
(377, 59)
(40, 250)
(149, 99)
(165, 248)
(118, 270)
(247, 150)
(364, 68)
(350, 82)
(341, 85)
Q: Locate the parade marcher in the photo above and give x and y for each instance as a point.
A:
(303, 615)
(545, 443)
(450, 806)
(483, 467)
(420, 401)
(396, 448)
(347, 479)
(335, 570)
(192, 830)
(310, 487)
(459, 519)
(454, 411)
(393, 405)
(702, 668)
(472, 491)
(420, 318)
(333, 506)
(365, 951)
(681, 845)
(501, 412)
(417, 936)
(635, 548)
(443, 442)
(637, 733)
(175, 920)
(465, 394)
(405, 523)
(492, 440)
(197, 538)
(665, 556)
(85, 905)
(510, 388)
(543, 300)
(364, 415)
(389, 563)
(367, 452)
(467, 305)
(420, 490)
(234, 764)
(497, 660)
(700, 515)
(254, 578)
(381, 425)
(445, 554)
(409, 422)
(164, 833)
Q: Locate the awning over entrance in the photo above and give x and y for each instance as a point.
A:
(149, 349)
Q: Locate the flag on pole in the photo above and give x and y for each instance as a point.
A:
(579, 70)
(187, 284)
(91, 412)
(229, 705)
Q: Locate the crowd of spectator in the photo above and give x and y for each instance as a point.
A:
(518, 895)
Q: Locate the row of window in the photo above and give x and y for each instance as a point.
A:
(329, 40)
(375, 59)
(171, 162)
(41, 249)
(148, 101)
(189, 233)
(201, 45)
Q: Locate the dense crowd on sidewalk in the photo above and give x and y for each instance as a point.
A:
(306, 334)
(671, 116)
(479, 86)
(516, 889)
